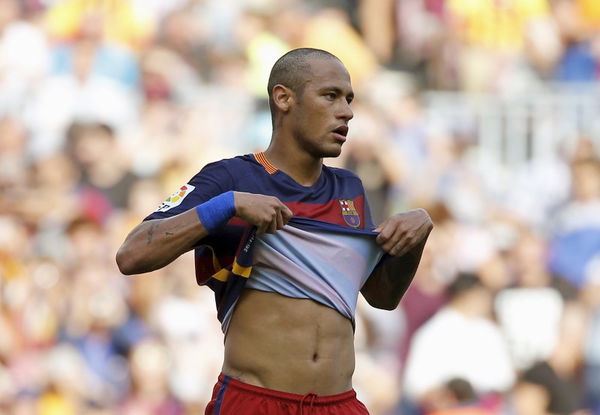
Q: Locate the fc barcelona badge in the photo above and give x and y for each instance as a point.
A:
(349, 213)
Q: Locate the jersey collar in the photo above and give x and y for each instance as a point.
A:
(262, 159)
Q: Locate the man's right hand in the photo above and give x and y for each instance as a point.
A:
(267, 213)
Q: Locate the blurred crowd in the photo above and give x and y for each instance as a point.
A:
(108, 106)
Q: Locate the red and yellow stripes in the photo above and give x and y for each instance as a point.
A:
(262, 159)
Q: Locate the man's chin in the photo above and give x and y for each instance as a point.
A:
(333, 151)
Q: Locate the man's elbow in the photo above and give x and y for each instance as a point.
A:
(388, 304)
(126, 261)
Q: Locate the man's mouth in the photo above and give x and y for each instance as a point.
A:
(341, 130)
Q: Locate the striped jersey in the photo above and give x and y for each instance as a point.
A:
(325, 253)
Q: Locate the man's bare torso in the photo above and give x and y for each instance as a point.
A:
(291, 345)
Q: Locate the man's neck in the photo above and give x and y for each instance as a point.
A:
(300, 166)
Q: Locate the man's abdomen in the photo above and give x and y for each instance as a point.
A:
(291, 345)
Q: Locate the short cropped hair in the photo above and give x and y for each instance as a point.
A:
(464, 282)
(292, 70)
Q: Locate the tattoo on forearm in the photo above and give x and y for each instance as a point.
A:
(151, 233)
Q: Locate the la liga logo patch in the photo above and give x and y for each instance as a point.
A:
(349, 213)
(176, 198)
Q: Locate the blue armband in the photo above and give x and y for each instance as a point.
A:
(217, 211)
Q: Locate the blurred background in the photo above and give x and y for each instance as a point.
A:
(484, 112)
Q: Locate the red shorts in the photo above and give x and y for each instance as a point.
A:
(232, 397)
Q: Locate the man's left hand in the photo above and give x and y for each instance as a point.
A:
(400, 233)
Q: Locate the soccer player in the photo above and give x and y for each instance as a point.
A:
(286, 295)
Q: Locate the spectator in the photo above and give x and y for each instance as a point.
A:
(577, 231)
(530, 312)
(106, 105)
(484, 360)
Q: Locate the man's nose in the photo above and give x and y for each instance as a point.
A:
(346, 112)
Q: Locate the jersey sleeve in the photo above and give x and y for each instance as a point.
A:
(211, 181)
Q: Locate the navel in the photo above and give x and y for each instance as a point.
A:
(315, 355)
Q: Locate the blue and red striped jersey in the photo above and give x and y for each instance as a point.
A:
(337, 200)
(337, 197)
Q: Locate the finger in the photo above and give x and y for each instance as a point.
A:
(385, 234)
(380, 227)
(279, 220)
(395, 239)
(272, 226)
(262, 228)
(406, 245)
(391, 251)
(398, 241)
(401, 249)
(286, 213)
(390, 248)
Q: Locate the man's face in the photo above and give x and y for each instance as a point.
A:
(322, 111)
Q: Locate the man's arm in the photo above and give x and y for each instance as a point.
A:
(403, 236)
(153, 244)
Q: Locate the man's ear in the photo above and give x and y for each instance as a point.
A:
(283, 97)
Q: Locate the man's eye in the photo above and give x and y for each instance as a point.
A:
(330, 95)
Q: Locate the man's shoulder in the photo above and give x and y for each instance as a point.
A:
(234, 162)
(231, 166)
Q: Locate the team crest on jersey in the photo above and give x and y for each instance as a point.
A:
(349, 213)
(176, 198)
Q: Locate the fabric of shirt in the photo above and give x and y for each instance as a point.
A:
(315, 260)
(326, 253)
